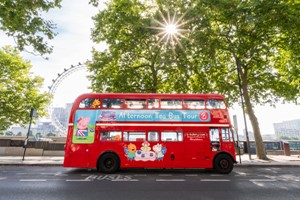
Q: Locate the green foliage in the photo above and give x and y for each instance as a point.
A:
(22, 20)
(251, 36)
(19, 90)
(258, 37)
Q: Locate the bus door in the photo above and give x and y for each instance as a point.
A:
(197, 143)
(226, 141)
(214, 136)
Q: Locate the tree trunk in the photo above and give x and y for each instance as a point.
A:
(260, 148)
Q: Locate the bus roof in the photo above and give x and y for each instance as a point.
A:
(148, 95)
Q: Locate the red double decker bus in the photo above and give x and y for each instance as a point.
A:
(112, 131)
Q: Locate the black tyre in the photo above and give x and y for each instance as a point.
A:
(223, 164)
(109, 163)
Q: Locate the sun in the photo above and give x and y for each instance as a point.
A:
(171, 29)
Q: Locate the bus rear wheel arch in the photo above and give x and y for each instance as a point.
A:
(108, 163)
(223, 163)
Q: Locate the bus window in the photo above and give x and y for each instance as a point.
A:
(194, 104)
(90, 103)
(215, 104)
(134, 136)
(173, 103)
(225, 135)
(153, 136)
(110, 135)
(171, 136)
(135, 103)
(153, 103)
(214, 134)
(112, 103)
(214, 139)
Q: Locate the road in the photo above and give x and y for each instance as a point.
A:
(34, 182)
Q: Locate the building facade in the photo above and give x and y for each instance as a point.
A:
(287, 128)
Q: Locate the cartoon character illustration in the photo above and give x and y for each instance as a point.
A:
(96, 104)
(130, 151)
(145, 147)
(83, 123)
(108, 116)
(82, 126)
(145, 154)
(117, 138)
(160, 151)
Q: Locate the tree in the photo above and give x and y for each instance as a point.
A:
(19, 90)
(22, 20)
(256, 38)
(217, 41)
(136, 60)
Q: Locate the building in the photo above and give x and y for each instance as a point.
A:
(287, 128)
(60, 118)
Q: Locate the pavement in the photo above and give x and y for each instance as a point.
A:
(275, 160)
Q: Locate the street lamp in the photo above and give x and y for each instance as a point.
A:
(32, 114)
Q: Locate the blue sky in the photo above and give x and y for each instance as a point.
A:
(73, 45)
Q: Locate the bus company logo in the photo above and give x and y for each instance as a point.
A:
(108, 116)
(82, 133)
(204, 115)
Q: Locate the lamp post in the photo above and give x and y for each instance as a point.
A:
(237, 136)
(32, 114)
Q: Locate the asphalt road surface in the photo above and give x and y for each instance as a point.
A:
(33, 182)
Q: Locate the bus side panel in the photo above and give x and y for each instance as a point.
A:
(76, 155)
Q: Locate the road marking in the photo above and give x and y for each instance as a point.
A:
(262, 180)
(91, 177)
(240, 174)
(122, 180)
(214, 180)
(166, 180)
(165, 175)
(78, 180)
(3, 178)
(53, 174)
(140, 175)
(191, 175)
(60, 174)
(33, 180)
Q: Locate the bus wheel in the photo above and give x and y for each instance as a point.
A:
(109, 163)
(223, 164)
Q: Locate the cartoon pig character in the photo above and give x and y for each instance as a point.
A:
(83, 123)
(160, 151)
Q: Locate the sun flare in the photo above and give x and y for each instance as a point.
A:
(170, 29)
